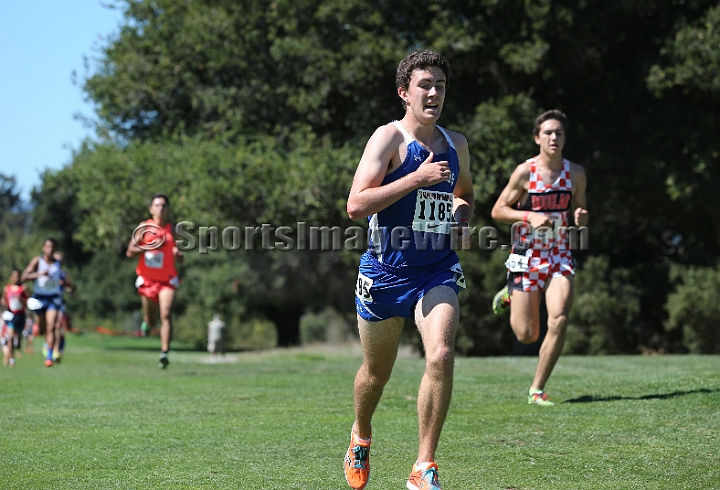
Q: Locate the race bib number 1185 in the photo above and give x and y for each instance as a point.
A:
(433, 211)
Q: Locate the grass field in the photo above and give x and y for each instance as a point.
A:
(107, 417)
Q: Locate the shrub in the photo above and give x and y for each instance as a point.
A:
(604, 310)
(694, 307)
(326, 326)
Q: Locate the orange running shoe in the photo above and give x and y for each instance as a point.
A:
(424, 479)
(540, 398)
(48, 363)
(357, 462)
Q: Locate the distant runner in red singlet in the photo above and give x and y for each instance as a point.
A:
(157, 279)
(13, 301)
(548, 188)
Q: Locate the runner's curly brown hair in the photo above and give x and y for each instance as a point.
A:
(419, 60)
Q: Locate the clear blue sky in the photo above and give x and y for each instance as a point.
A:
(41, 43)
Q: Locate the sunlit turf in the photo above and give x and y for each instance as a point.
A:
(108, 417)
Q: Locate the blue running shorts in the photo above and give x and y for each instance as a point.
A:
(48, 302)
(383, 292)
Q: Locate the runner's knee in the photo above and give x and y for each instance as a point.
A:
(558, 323)
(440, 361)
(528, 338)
(526, 333)
(165, 315)
(378, 373)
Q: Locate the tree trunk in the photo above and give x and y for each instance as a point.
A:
(287, 324)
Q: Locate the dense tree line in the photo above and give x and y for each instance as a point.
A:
(257, 112)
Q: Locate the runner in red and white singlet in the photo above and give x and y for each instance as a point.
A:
(546, 248)
(548, 187)
(14, 299)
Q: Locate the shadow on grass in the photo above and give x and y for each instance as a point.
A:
(143, 345)
(153, 348)
(659, 396)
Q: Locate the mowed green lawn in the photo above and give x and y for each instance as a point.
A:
(107, 417)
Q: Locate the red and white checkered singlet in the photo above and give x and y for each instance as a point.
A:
(553, 200)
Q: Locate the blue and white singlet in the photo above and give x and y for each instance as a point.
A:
(415, 230)
(48, 285)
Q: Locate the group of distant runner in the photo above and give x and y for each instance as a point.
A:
(43, 313)
(414, 177)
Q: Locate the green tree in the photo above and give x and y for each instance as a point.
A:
(215, 184)
(14, 236)
(692, 57)
(687, 74)
(228, 67)
(9, 194)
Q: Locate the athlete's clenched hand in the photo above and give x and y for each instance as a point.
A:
(431, 173)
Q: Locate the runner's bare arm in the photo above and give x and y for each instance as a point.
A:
(464, 196)
(178, 255)
(367, 195)
(132, 249)
(68, 284)
(579, 199)
(503, 210)
(30, 271)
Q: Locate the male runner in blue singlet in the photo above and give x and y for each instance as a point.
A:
(413, 184)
